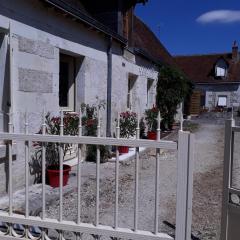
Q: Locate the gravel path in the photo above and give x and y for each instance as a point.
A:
(207, 196)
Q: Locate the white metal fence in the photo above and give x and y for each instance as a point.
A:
(184, 146)
(231, 183)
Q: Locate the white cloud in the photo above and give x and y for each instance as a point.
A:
(220, 16)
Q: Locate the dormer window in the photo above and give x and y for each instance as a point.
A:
(221, 68)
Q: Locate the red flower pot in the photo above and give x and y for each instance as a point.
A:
(152, 135)
(53, 173)
(123, 149)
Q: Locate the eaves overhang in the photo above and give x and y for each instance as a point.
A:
(78, 15)
(147, 56)
(216, 83)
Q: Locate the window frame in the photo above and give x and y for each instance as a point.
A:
(71, 82)
(150, 92)
(132, 78)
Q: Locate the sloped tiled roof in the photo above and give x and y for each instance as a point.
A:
(147, 41)
(201, 68)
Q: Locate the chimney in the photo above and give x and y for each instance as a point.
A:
(235, 53)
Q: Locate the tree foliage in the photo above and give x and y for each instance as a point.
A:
(172, 88)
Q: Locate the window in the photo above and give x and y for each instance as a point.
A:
(150, 93)
(202, 99)
(220, 72)
(130, 96)
(222, 101)
(221, 68)
(66, 82)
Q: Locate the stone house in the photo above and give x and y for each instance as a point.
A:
(58, 54)
(216, 78)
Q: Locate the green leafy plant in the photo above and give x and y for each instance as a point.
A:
(90, 122)
(90, 118)
(151, 116)
(70, 127)
(142, 129)
(172, 88)
(92, 153)
(128, 124)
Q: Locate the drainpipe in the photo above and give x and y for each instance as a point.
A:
(109, 88)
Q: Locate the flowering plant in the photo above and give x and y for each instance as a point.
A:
(128, 124)
(151, 118)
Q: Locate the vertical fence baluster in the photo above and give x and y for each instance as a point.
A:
(117, 174)
(26, 169)
(26, 174)
(43, 172)
(181, 117)
(61, 175)
(61, 169)
(136, 177)
(79, 170)
(10, 183)
(157, 176)
(98, 172)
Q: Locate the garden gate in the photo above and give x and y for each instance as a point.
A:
(10, 218)
(231, 183)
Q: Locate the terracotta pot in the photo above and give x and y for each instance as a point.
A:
(152, 135)
(123, 149)
(53, 173)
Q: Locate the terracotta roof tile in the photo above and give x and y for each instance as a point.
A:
(201, 68)
(147, 41)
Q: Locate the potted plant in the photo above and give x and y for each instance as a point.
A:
(70, 127)
(151, 120)
(70, 122)
(128, 125)
(90, 122)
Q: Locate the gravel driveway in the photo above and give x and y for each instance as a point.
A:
(207, 196)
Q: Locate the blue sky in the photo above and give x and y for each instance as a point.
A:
(193, 26)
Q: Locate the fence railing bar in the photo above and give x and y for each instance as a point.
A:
(61, 172)
(43, 167)
(236, 129)
(123, 233)
(79, 172)
(26, 169)
(136, 191)
(10, 183)
(98, 173)
(168, 145)
(156, 212)
(181, 117)
(117, 174)
(234, 191)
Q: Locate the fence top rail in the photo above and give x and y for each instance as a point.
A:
(234, 191)
(163, 144)
(236, 129)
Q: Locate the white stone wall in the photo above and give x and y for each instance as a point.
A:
(233, 97)
(38, 36)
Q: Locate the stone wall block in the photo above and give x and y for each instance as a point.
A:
(39, 48)
(35, 81)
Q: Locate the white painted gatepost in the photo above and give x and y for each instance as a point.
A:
(230, 225)
(184, 146)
